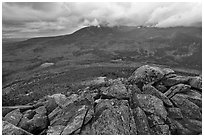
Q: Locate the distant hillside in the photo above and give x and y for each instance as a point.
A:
(179, 47)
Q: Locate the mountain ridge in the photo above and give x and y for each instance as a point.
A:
(174, 47)
(126, 28)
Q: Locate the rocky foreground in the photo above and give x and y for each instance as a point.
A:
(152, 101)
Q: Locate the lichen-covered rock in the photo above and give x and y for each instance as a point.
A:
(151, 104)
(177, 89)
(175, 113)
(146, 74)
(160, 130)
(68, 121)
(134, 89)
(190, 126)
(196, 82)
(168, 71)
(161, 88)
(75, 125)
(148, 89)
(41, 110)
(154, 120)
(54, 113)
(10, 129)
(117, 90)
(113, 117)
(188, 109)
(86, 130)
(13, 117)
(157, 125)
(60, 99)
(112, 81)
(193, 93)
(175, 80)
(55, 130)
(63, 116)
(69, 100)
(177, 128)
(194, 97)
(74, 113)
(47, 101)
(36, 125)
(75, 122)
(152, 101)
(193, 125)
(89, 115)
(141, 121)
(50, 104)
(90, 95)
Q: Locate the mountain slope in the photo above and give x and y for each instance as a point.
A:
(176, 47)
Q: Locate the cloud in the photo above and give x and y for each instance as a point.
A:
(39, 19)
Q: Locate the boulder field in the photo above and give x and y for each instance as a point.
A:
(152, 101)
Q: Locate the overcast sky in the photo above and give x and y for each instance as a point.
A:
(46, 19)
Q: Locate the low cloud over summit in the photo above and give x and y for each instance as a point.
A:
(45, 19)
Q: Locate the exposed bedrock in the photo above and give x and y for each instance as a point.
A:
(152, 101)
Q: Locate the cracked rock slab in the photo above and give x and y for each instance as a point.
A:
(148, 89)
(76, 122)
(54, 113)
(63, 116)
(194, 125)
(10, 129)
(177, 89)
(194, 97)
(188, 108)
(113, 117)
(141, 121)
(72, 116)
(59, 129)
(151, 104)
(69, 100)
(86, 130)
(13, 117)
